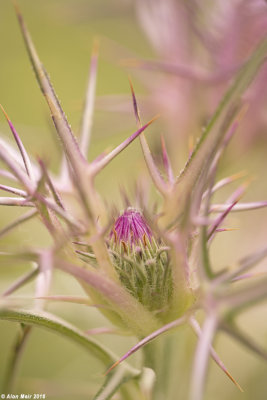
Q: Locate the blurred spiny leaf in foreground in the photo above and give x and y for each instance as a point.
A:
(147, 271)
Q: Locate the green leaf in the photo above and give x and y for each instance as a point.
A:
(55, 324)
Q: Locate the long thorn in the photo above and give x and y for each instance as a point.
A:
(196, 328)
(152, 168)
(148, 339)
(16, 191)
(98, 166)
(87, 120)
(23, 152)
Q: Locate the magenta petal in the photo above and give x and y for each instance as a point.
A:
(130, 227)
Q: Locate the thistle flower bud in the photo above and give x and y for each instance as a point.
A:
(130, 229)
(141, 261)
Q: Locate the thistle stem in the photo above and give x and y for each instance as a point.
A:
(162, 357)
(13, 362)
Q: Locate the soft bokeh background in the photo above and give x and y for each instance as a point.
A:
(63, 31)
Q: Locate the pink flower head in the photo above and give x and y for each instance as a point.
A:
(131, 227)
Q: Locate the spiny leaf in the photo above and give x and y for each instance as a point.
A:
(63, 128)
(149, 338)
(49, 321)
(217, 127)
(23, 152)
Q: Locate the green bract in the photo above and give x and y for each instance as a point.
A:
(141, 262)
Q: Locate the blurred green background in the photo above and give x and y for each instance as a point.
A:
(63, 31)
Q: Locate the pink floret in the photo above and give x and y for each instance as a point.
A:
(130, 227)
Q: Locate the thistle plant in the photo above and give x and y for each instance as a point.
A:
(147, 271)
